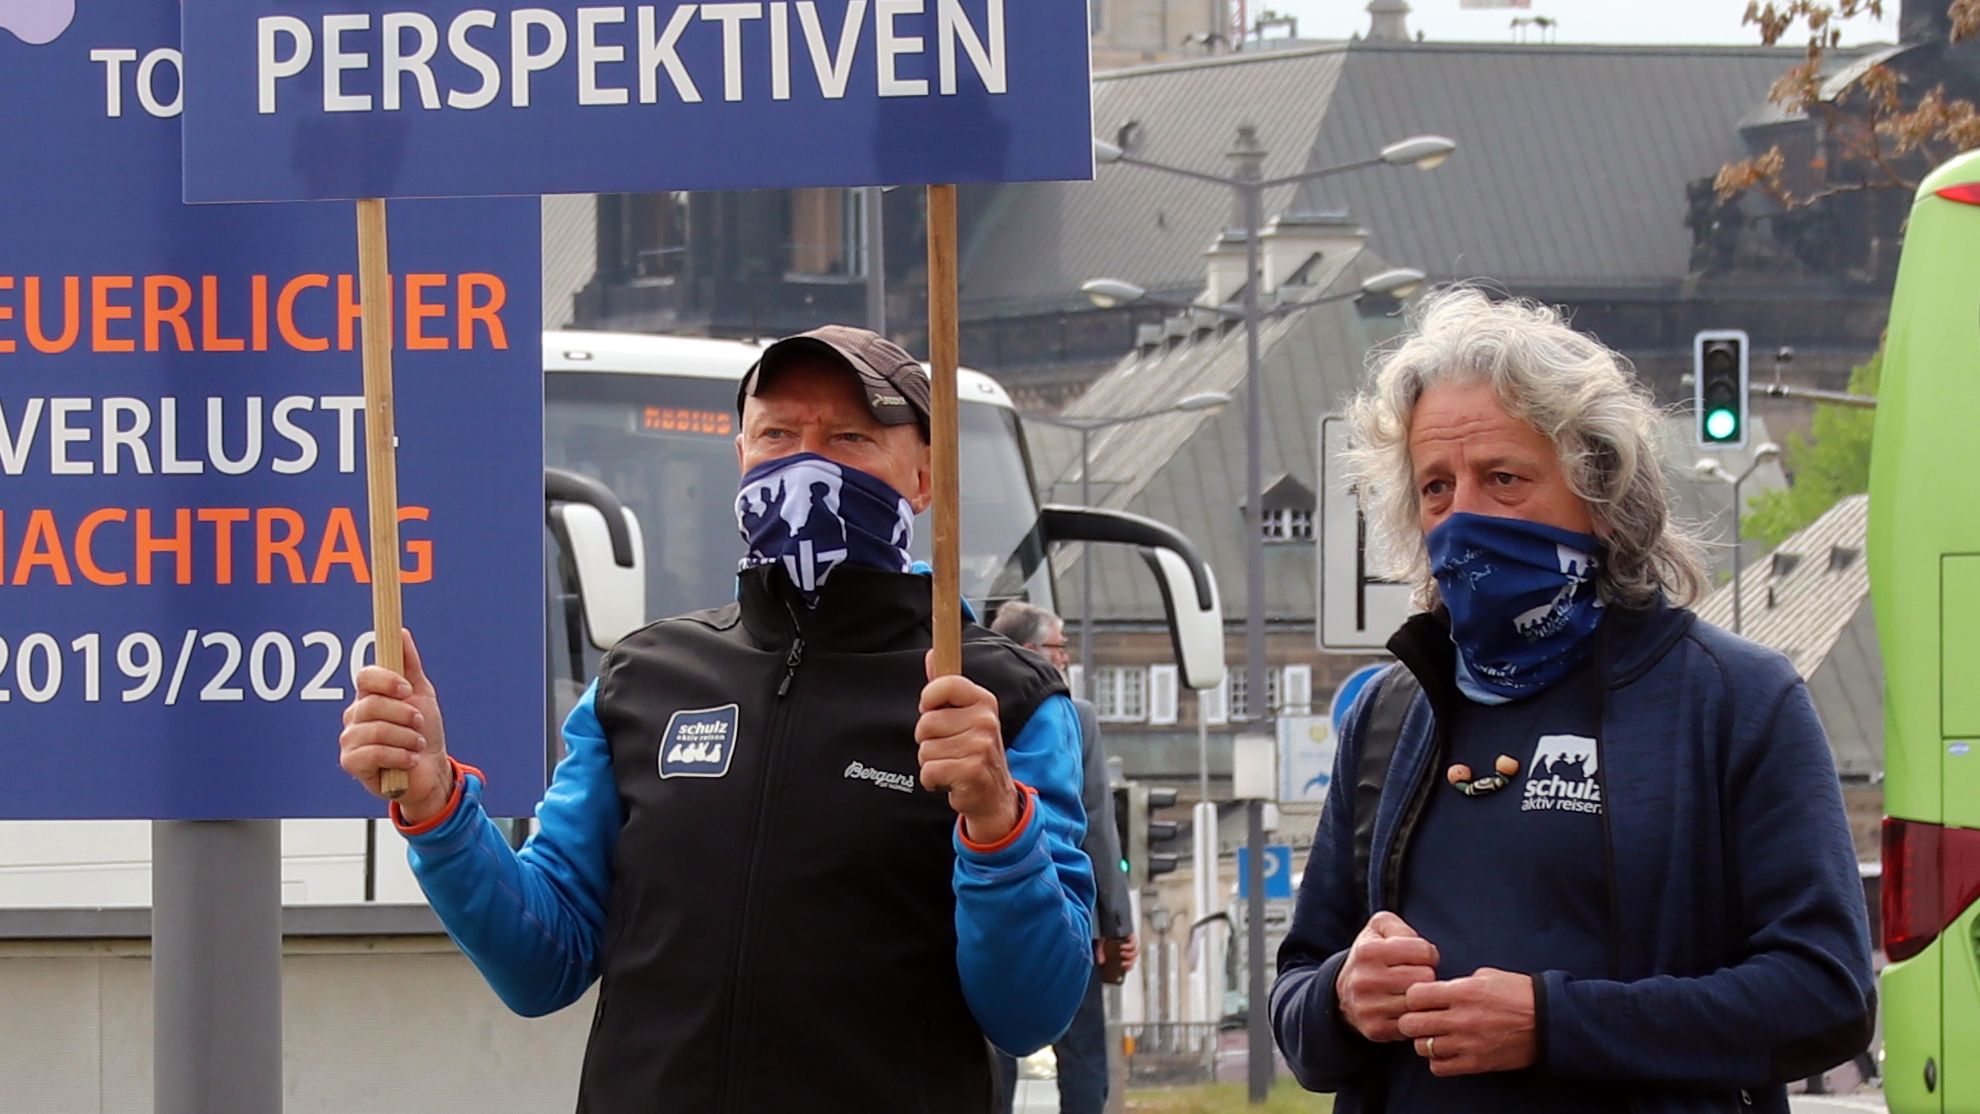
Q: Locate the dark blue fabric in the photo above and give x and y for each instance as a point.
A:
(1522, 601)
(811, 515)
(1512, 879)
(1740, 939)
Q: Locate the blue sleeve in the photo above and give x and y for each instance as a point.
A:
(1802, 999)
(1323, 1051)
(532, 921)
(1024, 912)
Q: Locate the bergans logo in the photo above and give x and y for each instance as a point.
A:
(1562, 776)
(885, 779)
(699, 743)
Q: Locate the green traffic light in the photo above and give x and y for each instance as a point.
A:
(1124, 867)
(1720, 425)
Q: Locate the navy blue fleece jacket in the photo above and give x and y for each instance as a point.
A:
(1739, 945)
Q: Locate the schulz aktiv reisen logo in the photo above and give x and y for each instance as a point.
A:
(1562, 777)
(699, 743)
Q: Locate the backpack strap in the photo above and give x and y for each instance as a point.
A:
(1394, 693)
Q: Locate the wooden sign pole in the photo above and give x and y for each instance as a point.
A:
(944, 354)
(381, 448)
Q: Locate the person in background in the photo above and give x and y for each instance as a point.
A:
(1082, 1051)
(1598, 861)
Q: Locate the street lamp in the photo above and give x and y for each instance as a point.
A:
(1249, 183)
(1397, 282)
(1710, 468)
(1086, 425)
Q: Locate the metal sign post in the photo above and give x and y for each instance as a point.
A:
(1254, 779)
(216, 966)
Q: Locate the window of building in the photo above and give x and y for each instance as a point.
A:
(652, 234)
(828, 234)
(1120, 693)
(1240, 694)
(1288, 510)
(1288, 691)
(1288, 526)
(1214, 705)
(1163, 683)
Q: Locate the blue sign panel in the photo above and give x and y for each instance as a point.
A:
(1278, 872)
(1344, 696)
(184, 566)
(292, 99)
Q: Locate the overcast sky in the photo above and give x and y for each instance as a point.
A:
(1599, 21)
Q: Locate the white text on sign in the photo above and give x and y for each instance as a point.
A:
(507, 50)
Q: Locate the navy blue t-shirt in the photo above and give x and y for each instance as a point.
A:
(1515, 879)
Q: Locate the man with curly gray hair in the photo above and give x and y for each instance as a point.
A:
(1581, 852)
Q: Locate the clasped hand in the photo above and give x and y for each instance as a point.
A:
(1389, 991)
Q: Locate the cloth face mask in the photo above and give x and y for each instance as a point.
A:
(1522, 599)
(811, 515)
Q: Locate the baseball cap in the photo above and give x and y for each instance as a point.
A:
(895, 385)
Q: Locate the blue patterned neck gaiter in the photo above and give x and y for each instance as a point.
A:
(1522, 600)
(811, 515)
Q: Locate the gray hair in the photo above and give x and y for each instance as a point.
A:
(1024, 623)
(1586, 400)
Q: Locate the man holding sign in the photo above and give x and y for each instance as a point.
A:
(808, 877)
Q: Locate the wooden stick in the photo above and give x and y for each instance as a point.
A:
(381, 448)
(944, 353)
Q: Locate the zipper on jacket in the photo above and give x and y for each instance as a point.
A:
(791, 662)
(773, 740)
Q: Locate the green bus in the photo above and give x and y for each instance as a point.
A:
(1925, 586)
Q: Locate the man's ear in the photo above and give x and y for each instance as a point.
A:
(740, 469)
(923, 495)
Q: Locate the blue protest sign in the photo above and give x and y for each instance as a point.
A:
(1278, 872)
(184, 566)
(290, 99)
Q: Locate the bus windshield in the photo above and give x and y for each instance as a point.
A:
(666, 446)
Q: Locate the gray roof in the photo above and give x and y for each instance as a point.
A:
(1794, 600)
(1042, 240)
(1814, 606)
(1570, 170)
(1188, 469)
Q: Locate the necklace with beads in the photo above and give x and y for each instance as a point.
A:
(1504, 770)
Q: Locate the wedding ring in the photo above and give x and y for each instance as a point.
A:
(1430, 1048)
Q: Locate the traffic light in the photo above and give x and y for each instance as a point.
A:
(1719, 381)
(1140, 834)
(1123, 805)
(1160, 833)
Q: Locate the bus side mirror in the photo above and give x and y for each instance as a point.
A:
(1189, 589)
(606, 550)
(1196, 625)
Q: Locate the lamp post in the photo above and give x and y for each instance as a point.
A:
(1107, 293)
(1249, 183)
(1710, 468)
(1086, 425)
